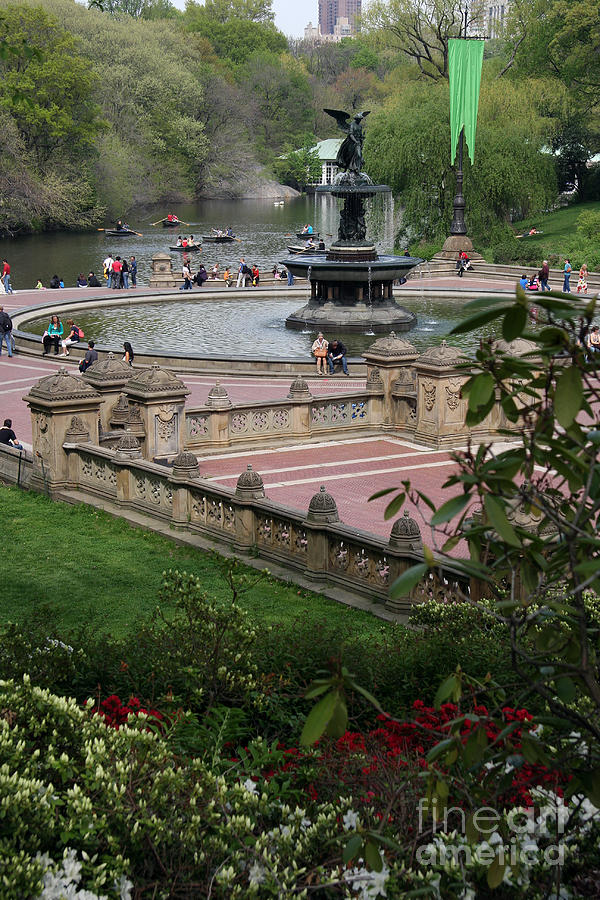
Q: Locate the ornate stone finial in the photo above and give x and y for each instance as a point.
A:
(218, 397)
(250, 485)
(77, 432)
(299, 389)
(390, 347)
(120, 411)
(62, 385)
(109, 371)
(443, 356)
(128, 447)
(185, 465)
(518, 347)
(322, 508)
(148, 382)
(406, 534)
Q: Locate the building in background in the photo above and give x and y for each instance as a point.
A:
(338, 18)
(488, 19)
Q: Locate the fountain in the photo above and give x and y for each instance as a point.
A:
(351, 288)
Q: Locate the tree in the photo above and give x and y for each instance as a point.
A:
(511, 172)
(298, 168)
(420, 29)
(234, 31)
(48, 92)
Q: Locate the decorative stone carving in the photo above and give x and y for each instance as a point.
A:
(60, 387)
(162, 271)
(390, 347)
(166, 421)
(322, 508)
(77, 433)
(250, 485)
(218, 398)
(299, 389)
(443, 356)
(518, 347)
(197, 426)
(429, 394)
(109, 371)
(128, 447)
(453, 394)
(120, 411)
(406, 534)
(375, 381)
(185, 465)
(152, 381)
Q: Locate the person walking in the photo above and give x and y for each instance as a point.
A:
(6, 276)
(241, 278)
(5, 331)
(133, 271)
(544, 275)
(567, 275)
(582, 282)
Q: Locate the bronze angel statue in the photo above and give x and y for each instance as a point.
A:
(349, 155)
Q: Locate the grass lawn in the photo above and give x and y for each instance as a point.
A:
(558, 228)
(90, 567)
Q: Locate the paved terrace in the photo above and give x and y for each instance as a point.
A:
(352, 470)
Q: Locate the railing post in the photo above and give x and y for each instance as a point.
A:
(185, 466)
(322, 510)
(249, 487)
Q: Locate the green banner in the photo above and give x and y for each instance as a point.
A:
(465, 58)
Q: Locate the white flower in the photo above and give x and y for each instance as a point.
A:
(250, 785)
(368, 885)
(256, 874)
(350, 820)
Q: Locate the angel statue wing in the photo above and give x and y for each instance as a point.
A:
(341, 117)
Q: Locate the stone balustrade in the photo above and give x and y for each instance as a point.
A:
(315, 545)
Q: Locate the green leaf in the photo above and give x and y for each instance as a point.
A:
(352, 848)
(373, 857)
(565, 689)
(317, 690)
(450, 509)
(495, 873)
(403, 585)
(361, 690)
(318, 719)
(382, 493)
(394, 505)
(499, 521)
(483, 303)
(514, 322)
(479, 319)
(338, 722)
(568, 396)
(446, 688)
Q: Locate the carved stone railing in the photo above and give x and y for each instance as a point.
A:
(247, 423)
(315, 545)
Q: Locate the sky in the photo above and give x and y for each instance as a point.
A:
(292, 16)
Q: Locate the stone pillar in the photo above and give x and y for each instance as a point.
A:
(108, 377)
(391, 356)
(160, 396)
(441, 409)
(249, 487)
(406, 543)
(301, 397)
(162, 271)
(322, 510)
(219, 403)
(64, 409)
(128, 448)
(185, 466)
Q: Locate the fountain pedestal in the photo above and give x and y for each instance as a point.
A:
(351, 289)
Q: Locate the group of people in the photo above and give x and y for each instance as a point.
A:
(330, 352)
(307, 229)
(118, 271)
(187, 242)
(247, 274)
(55, 336)
(539, 281)
(311, 244)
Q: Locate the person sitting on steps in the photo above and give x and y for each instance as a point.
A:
(337, 354)
(319, 351)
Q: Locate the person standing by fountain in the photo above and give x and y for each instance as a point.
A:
(319, 351)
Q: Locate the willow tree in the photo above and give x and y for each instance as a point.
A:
(406, 147)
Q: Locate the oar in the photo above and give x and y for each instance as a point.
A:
(100, 229)
(156, 223)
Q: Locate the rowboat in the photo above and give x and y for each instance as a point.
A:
(314, 251)
(174, 223)
(307, 234)
(219, 239)
(187, 249)
(118, 232)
